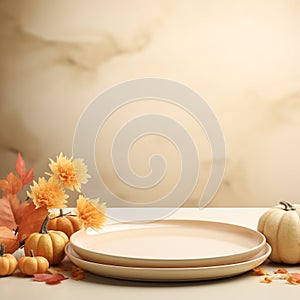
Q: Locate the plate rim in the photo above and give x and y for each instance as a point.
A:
(141, 262)
(183, 274)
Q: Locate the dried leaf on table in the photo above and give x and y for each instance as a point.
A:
(294, 278)
(49, 278)
(267, 279)
(77, 273)
(281, 271)
(260, 271)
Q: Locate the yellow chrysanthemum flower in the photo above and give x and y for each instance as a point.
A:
(90, 212)
(48, 193)
(70, 173)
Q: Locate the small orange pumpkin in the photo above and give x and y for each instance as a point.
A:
(8, 262)
(49, 244)
(30, 265)
(65, 223)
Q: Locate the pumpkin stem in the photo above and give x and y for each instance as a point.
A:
(31, 253)
(44, 228)
(287, 205)
(2, 250)
(61, 213)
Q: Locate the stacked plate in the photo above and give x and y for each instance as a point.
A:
(168, 250)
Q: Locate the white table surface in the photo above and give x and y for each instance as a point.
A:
(245, 286)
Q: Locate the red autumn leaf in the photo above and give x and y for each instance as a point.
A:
(25, 177)
(28, 177)
(6, 214)
(8, 238)
(49, 278)
(20, 166)
(32, 221)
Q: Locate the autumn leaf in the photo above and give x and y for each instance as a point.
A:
(11, 185)
(49, 278)
(25, 177)
(8, 238)
(260, 271)
(294, 278)
(11, 211)
(6, 215)
(17, 208)
(32, 221)
(267, 279)
(77, 273)
(281, 271)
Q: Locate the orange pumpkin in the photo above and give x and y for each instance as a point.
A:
(8, 262)
(65, 223)
(30, 265)
(9, 239)
(49, 244)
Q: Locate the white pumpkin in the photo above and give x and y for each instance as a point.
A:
(281, 227)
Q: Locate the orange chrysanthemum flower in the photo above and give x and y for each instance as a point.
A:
(90, 212)
(48, 193)
(70, 173)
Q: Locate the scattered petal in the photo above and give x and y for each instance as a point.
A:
(49, 278)
(267, 279)
(77, 273)
(281, 271)
(284, 277)
(294, 278)
(260, 271)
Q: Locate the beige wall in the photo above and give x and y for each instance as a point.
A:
(243, 57)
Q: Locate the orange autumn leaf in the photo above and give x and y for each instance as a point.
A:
(8, 238)
(6, 214)
(32, 222)
(267, 279)
(294, 278)
(281, 271)
(11, 209)
(17, 208)
(260, 271)
(77, 273)
(11, 185)
(25, 176)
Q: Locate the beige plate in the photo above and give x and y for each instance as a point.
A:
(169, 274)
(168, 243)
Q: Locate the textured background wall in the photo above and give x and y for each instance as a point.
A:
(243, 57)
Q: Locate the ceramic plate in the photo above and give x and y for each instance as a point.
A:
(168, 243)
(169, 274)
